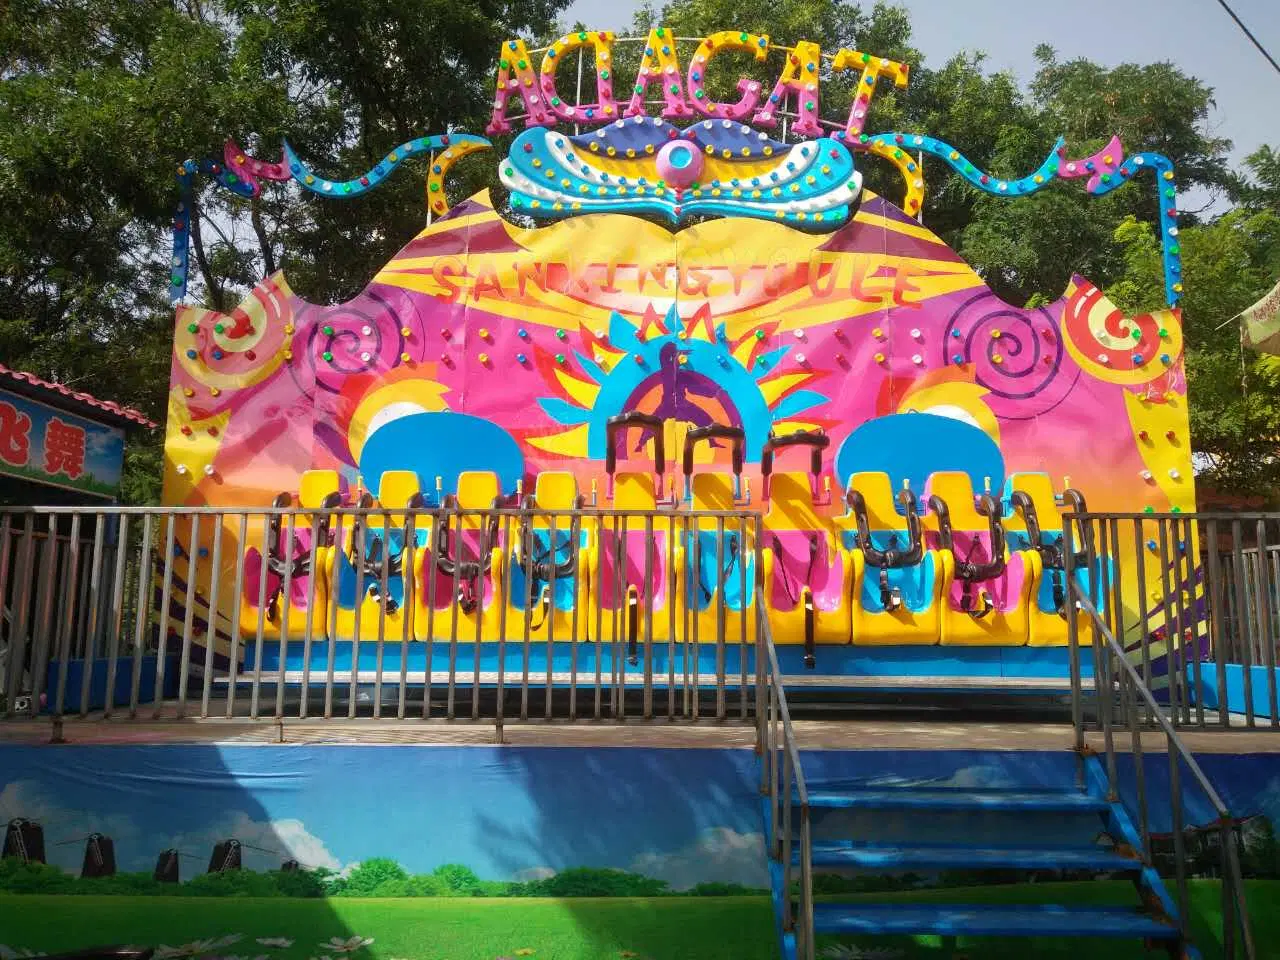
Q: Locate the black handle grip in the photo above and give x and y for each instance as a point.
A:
(715, 431)
(938, 507)
(815, 440)
(624, 421)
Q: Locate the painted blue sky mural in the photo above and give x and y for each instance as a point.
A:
(683, 816)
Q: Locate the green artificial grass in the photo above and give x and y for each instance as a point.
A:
(425, 928)
(605, 928)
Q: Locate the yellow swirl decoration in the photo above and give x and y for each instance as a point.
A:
(1114, 348)
(912, 180)
(437, 202)
(236, 350)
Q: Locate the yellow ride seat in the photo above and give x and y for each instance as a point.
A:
(993, 610)
(894, 604)
(808, 572)
(368, 548)
(549, 564)
(720, 577)
(634, 564)
(300, 611)
(1048, 622)
(460, 575)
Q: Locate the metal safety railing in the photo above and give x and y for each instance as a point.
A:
(1123, 700)
(1194, 599)
(782, 783)
(505, 614)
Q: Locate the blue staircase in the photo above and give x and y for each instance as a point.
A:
(1076, 833)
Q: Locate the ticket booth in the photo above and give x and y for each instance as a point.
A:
(62, 448)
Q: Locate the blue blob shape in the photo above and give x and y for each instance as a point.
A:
(441, 445)
(680, 157)
(910, 446)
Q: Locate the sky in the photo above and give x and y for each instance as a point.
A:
(1196, 35)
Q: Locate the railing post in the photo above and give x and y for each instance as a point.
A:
(118, 601)
(804, 929)
(19, 647)
(1073, 632)
(93, 605)
(66, 628)
(1217, 599)
(1244, 618)
(409, 583)
(142, 616)
(1265, 623)
(211, 634)
(189, 612)
(501, 586)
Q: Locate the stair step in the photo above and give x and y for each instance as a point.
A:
(952, 799)
(1033, 920)
(880, 856)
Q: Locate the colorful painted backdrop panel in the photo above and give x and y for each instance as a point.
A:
(546, 333)
(486, 346)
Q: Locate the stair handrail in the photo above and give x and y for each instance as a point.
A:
(1135, 696)
(783, 783)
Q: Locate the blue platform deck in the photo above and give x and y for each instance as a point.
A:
(1261, 681)
(888, 668)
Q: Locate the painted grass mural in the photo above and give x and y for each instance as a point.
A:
(478, 853)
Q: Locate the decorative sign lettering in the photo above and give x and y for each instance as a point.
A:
(668, 149)
(48, 446)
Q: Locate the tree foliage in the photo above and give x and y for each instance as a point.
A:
(376, 877)
(100, 100)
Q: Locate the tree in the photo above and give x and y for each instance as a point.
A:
(1262, 851)
(100, 100)
(598, 882)
(457, 880)
(1235, 396)
(371, 877)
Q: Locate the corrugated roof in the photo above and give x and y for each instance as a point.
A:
(61, 396)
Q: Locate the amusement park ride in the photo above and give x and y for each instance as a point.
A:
(768, 310)
(696, 412)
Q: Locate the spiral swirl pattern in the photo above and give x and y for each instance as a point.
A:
(1112, 347)
(217, 354)
(1015, 354)
(363, 336)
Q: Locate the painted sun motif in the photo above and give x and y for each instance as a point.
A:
(367, 403)
(687, 372)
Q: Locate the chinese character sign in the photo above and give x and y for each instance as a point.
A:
(48, 446)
